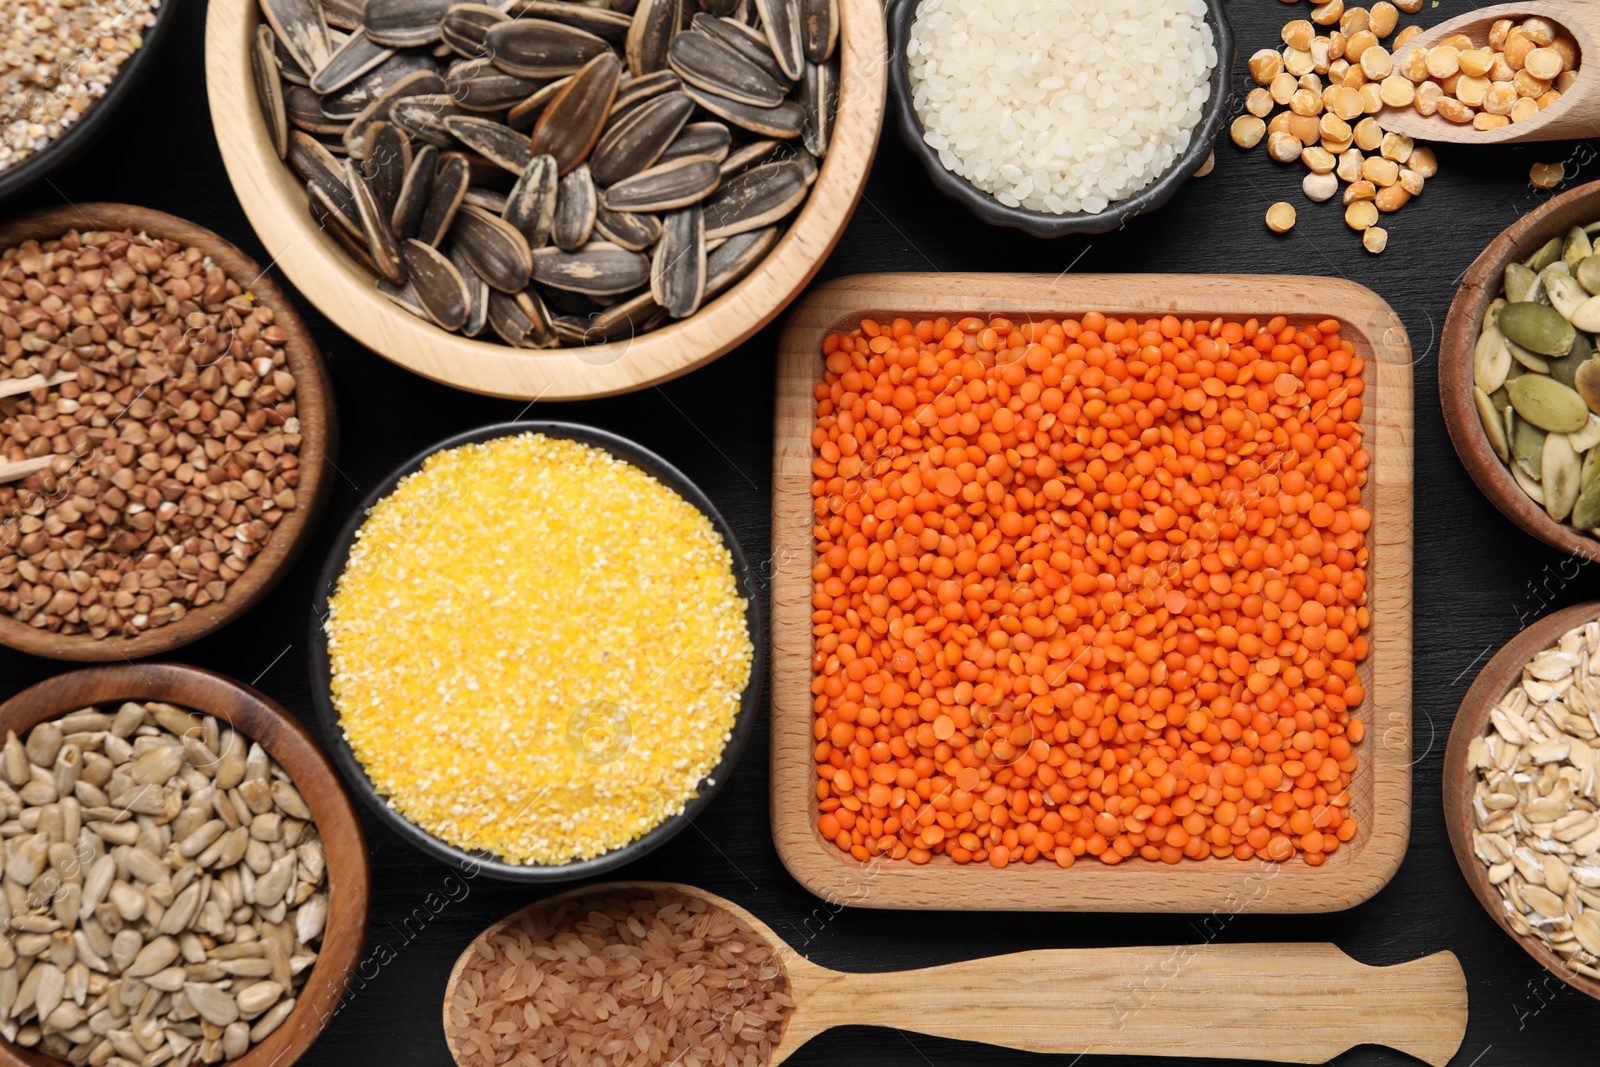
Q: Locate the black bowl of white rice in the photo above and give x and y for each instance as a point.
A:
(1058, 118)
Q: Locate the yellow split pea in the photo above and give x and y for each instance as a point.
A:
(537, 649)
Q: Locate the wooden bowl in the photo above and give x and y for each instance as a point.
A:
(1480, 285)
(318, 420)
(1380, 791)
(489, 863)
(275, 200)
(261, 719)
(1472, 720)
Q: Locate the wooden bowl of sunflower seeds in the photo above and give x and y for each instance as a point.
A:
(546, 198)
(166, 428)
(186, 879)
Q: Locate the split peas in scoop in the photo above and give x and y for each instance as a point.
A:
(1088, 586)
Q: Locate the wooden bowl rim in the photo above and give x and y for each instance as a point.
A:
(294, 750)
(1479, 286)
(274, 201)
(1492, 683)
(315, 406)
(489, 863)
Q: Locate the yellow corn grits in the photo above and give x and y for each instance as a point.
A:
(537, 648)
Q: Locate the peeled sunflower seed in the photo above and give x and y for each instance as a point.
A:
(404, 23)
(784, 121)
(450, 182)
(758, 197)
(709, 139)
(301, 29)
(597, 269)
(700, 60)
(664, 187)
(358, 55)
(531, 204)
(635, 232)
(494, 248)
(439, 286)
(465, 28)
(571, 123)
(495, 141)
(636, 140)
(269, 91)
(678, 267)
(611, 26)
(576, 206)
(539, 48)
(655, 23)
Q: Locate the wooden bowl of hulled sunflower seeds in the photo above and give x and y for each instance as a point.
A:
(235, 904)
(165, 437)
(545, 199)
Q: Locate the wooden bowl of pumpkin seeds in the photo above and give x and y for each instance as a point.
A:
(548, 199)
(1519, 372)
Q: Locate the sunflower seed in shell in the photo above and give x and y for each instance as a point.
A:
(655, 23)
(623, 7)
(310, 159)
(634, 91)
(269, 91)
(353, 99)
(356, 57)
(450, 183)
(523, 115)
(333, 206)
(520, 321)
(610, 26)
(819, 29)
(701, 61)
(709, 139)
(304, 108)
(784, 121)
(571, 123)
(357, 139)
(492, 202)
(287, 64)
(636, 141)
(343, 14)
(626, 318)
(719, 7)
(780, 19)
(437, 283)
(747, 155)
(301, 29)
(570, 302)
(678, 266)
(479, 85)
(477, 292)
(466, 26)
(539, 48)
(736, 256)
(495, 141)
(758, 197)
(381, 245)
(626, 229)
(818, 93)
(423, 118)
(357, 248)
(570, 329)
(597, 269)
(664, 187)
(747, 41)
(494, 248)
(404, 23)
(576, 206)
(415, 189)
(531, 204)
(386, 165)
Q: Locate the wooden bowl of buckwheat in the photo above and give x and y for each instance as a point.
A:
(166, 428)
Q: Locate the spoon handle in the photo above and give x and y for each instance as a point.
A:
(1298, 1003)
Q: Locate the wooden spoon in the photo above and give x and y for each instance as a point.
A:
(22, 468)
(1576, 114)
(1295, 1003)
(15, 386)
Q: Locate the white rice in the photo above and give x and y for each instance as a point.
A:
(1060, 106)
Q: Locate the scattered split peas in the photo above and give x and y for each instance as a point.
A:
(1090, 586)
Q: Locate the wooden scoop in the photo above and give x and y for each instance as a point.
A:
(1575, 115)
(1296, 1003)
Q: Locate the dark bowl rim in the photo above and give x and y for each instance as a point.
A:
(82, 135)
(1039, 224)
(488, 863)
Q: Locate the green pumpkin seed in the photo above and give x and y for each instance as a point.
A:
(1586, 512)
(1538, 328)
(1563, 289)
(1588, 273)
(1491, 359)
(1493, 427)
(1577, 247)
(1547, 254)
(1548, 404)
(1565, 368)
(1519, 282)
(1586, 316)
(1527, 446)
(1560, 479)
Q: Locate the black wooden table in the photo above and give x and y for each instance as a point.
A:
(1478, 578)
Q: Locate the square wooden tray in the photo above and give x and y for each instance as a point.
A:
(1381, 789)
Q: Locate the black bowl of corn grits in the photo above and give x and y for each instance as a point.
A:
(537, 649)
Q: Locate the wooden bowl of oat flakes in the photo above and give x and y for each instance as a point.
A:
(1530, 849)
(166, 428)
